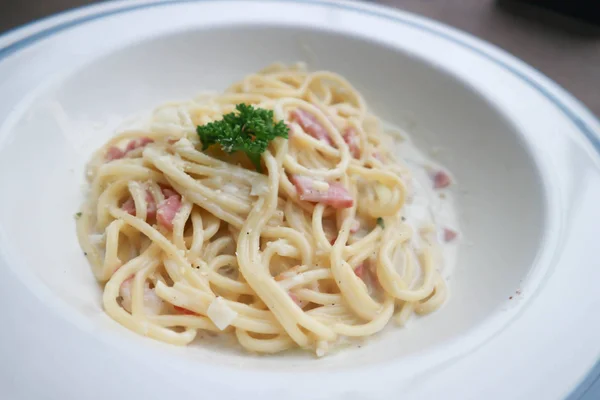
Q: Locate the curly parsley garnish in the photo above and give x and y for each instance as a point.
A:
(249, 130)
(380, 223)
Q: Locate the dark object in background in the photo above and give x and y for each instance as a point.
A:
(588, 10)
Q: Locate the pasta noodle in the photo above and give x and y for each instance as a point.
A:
(314, 248)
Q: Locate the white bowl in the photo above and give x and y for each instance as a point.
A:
(527, 193)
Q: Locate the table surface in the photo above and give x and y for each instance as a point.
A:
(565, 49)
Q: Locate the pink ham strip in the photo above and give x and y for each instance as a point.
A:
(167, 210)
(310, 125)
(360, 271)
(168, 192)
(353, 141)
(449, 235)
(184, 311)
(129, 205)
(137, 143)
(114, 153)
(336, 195)
(441, 180)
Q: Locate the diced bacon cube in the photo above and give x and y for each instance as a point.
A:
(137, 143)
(150, 205)
(129, 205)
(167, 210)
(311, 125)
(449, 235)
(335, 196)
(114, 153)
(441, 180)
(353, 141)
(168, 192)
(360, 271)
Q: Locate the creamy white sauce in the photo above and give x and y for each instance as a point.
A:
(426, 206)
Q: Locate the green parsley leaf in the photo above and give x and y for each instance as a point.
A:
(248, 129)
(380, 223)
(78, 215)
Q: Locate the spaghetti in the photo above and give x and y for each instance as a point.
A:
(313, 249)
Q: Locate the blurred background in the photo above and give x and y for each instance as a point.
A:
(561, 38)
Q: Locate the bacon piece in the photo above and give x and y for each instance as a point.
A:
(150, 205)
(310, 125)
(335, 196)
(167, 210)
(184, 311)
(129, 205)
(295, 299)
(353, 141)
(441, 180)
(449, 235)
(114, 153)
(168, 192)
(360, 271)
(137, 143)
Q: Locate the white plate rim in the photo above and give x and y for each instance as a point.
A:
(587, 123)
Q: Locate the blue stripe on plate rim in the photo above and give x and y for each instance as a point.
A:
(593, 376)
